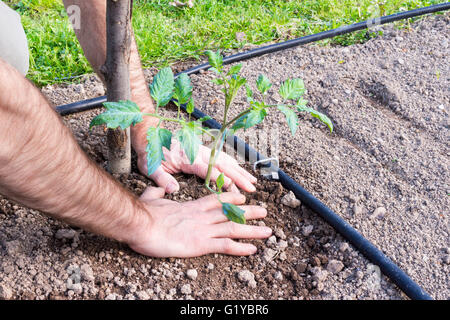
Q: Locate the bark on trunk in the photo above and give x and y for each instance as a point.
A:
(117, 77)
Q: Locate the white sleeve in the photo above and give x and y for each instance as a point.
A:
(13, 41)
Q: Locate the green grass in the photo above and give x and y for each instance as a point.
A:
(166, 34)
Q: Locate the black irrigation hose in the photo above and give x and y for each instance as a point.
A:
(97, 102)
(391, 270)
(372, 253)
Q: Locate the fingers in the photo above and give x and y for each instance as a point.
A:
(251, 213)
(241, 178)
(228, 160)
(152, 193)
(230, 247)
(165, 180)
(200, 169)
(239, 231)
(211, 202)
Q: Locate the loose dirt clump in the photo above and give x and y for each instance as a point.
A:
(384, 169)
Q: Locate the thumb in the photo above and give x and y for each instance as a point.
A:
(165, 180)
(152, 193)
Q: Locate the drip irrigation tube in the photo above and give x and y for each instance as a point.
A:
(372, 253)
(98, 102)
(389, 268)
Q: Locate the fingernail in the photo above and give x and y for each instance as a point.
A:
(267, 231)
(171, 187)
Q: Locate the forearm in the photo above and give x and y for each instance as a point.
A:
(42, 166)
(92, 37)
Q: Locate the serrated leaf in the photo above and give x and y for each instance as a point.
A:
(263, 84)
(291, 118)
(234, 84)
(189, 140)
(233, 213)
(118, 114)
(235, 69)
(292, 89)
(316, 114)
(255, 117)
(156, 138)
(215, 59)
(183, 89)
(162, 87)
(190, 107)
(220, 182)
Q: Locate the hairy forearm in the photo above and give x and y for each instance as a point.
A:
(92, 37)
(42, 166)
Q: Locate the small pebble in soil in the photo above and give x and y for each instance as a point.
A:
(301, 267)
(378, 213)
(192, 274)
(268, 254)
(247, 277)
(290, 200)
(5, 292)
(186, 289)
(335, 266)
(343, 247)
(319, 274)
(307, 230)
(65, 234)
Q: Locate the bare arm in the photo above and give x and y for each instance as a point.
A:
(42, 166)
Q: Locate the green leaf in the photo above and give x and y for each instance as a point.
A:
(220, 182)
(205, 119)
(190, 106)
(183, 89)
(291, 118)
(263, 84)
(234, 83)
(318, 115)
(235, 69)
(240, 123)
(292, 89)
(302, 102)
(157, 138)
(233, 213)
(118, 114)
(218, 81)
(215, 59)
(189, 140)
(249, 94)
(162, 87)
(255, 117)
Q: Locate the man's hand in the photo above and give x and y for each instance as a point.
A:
(176, 161)
(195, 228)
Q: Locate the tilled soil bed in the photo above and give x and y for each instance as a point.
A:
(384, 169)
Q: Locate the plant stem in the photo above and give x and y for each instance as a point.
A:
(212, 158)
(237, 117)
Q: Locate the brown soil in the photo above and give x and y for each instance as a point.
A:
(388, 100)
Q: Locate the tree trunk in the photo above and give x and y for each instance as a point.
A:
(117, 77)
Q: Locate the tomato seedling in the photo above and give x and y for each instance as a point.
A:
(166, 88)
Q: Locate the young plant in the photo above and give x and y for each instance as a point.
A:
(165, 88)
